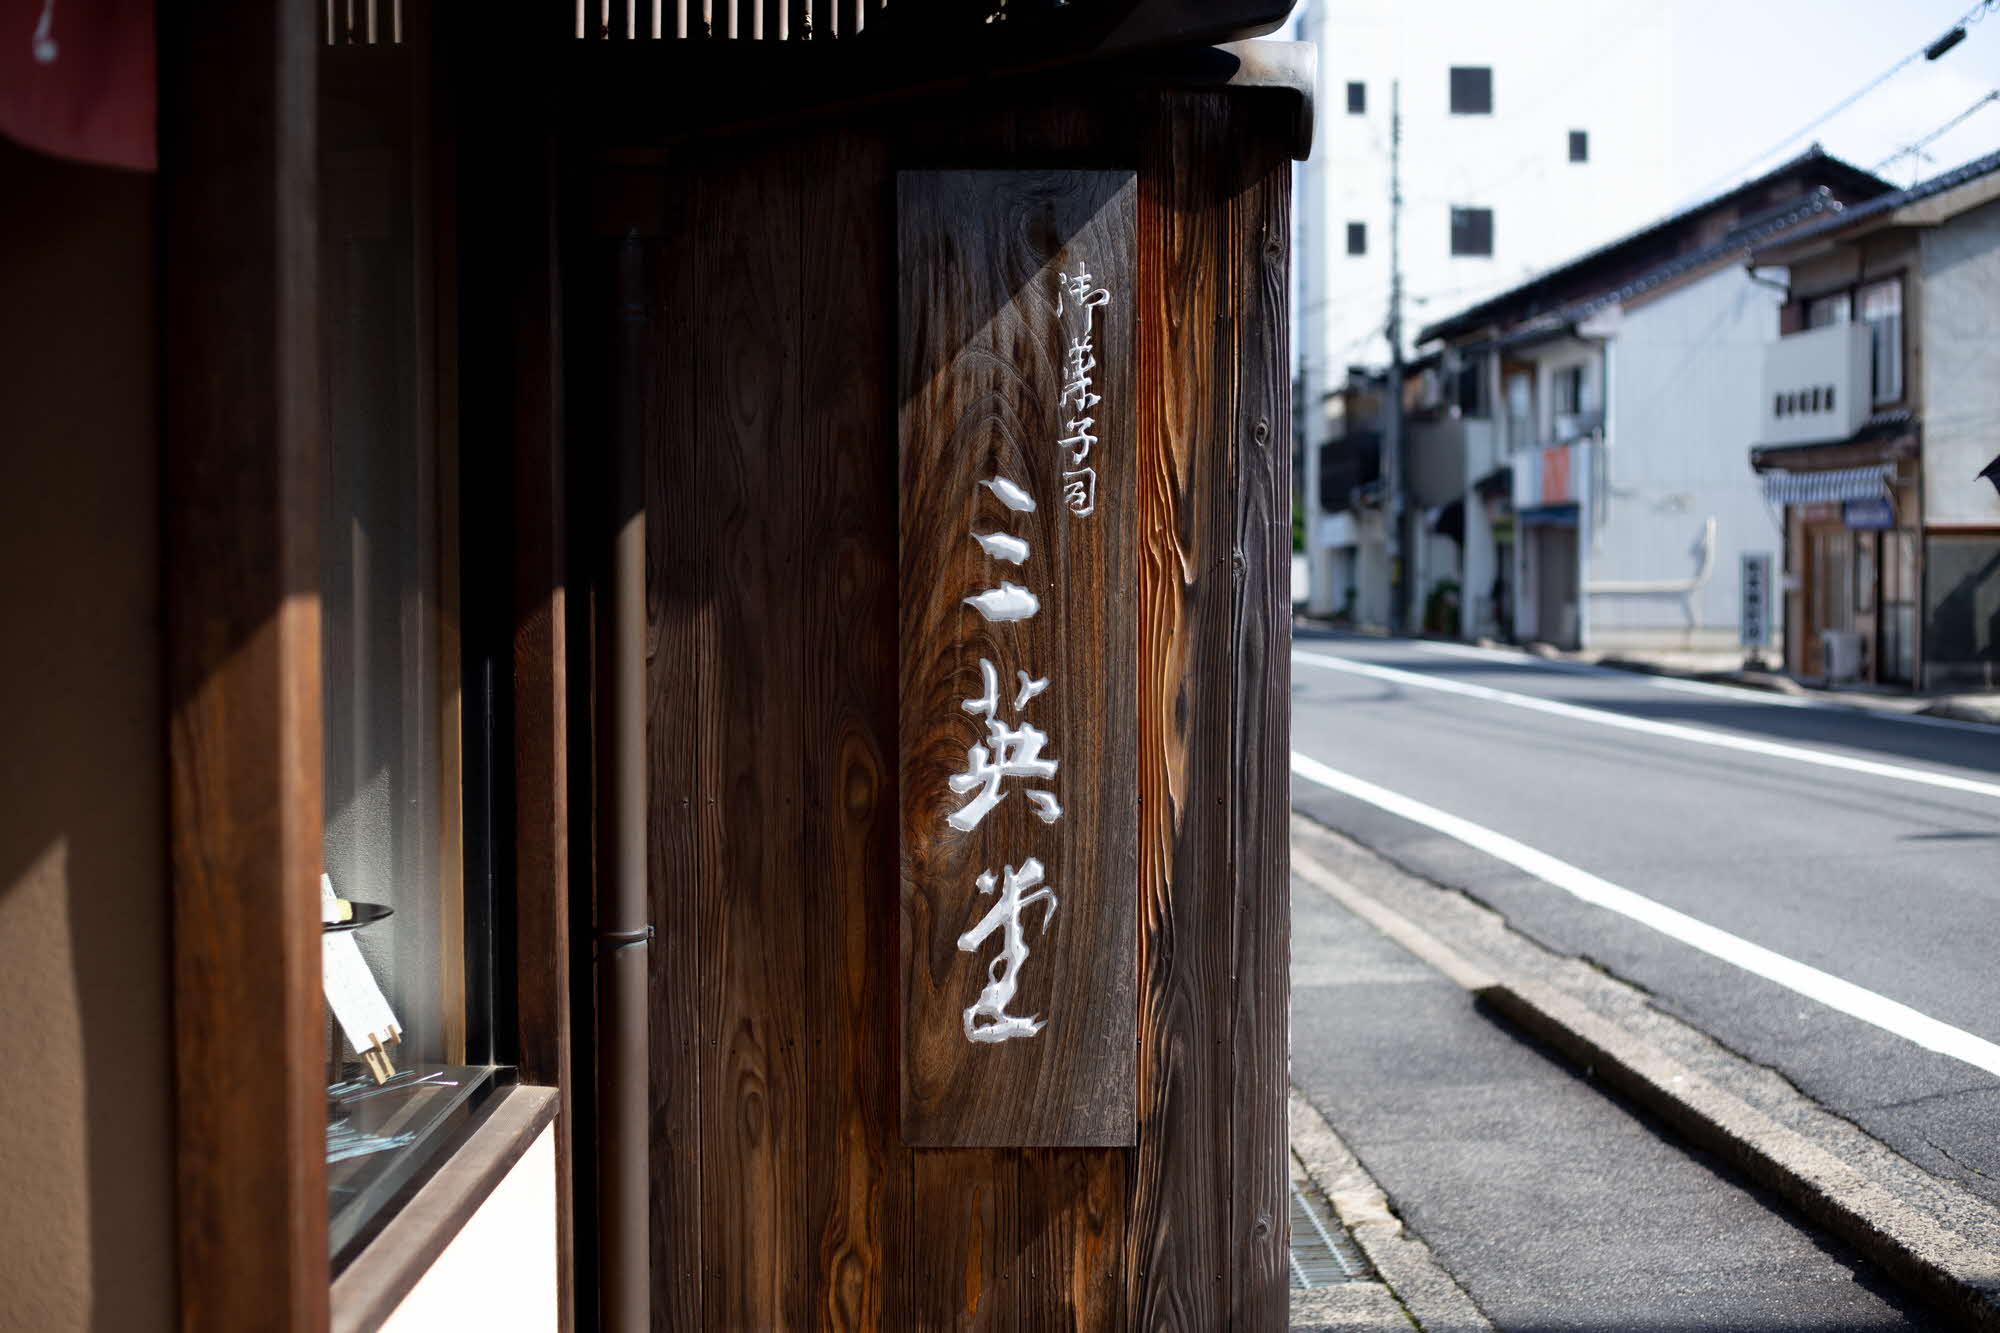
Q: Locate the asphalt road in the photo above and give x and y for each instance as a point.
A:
(1553, 1206)
(1801, 845)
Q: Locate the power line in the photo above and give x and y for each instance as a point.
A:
(1941, 43)
(1916, 149)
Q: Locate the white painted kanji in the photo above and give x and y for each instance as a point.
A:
(1002, 546)
(1011, 495)
(1009, 752)
(987, 1019)
(1009, 601)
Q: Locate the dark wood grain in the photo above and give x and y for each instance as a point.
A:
(756, 904)
(683, 814)
(540, 654)
(964, 1275)
(858, 1210)
(981, 351)
(782, 1194)
(240, 418)
(1176, 1239)
(1260, 795)
(1072, 1239)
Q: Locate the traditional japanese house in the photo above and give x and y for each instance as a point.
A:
(648, 662)
(1878, 423)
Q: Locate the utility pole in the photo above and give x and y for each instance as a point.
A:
(1396, 460)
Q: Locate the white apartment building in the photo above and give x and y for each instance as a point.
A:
(1531, 132)
(1605, 504)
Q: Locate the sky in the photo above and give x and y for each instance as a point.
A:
(1747, 73)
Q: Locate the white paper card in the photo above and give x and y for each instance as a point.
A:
(357, 1002)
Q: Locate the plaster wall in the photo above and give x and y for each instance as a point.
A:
(86, 1153)
(1686, 405)
(1578, 65)
(1961, 368)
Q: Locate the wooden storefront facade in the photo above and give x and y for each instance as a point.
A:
(671, 320)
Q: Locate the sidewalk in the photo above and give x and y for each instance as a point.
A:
(1535, 1197)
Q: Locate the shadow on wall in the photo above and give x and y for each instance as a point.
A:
(86, 1158)
(1962, 637)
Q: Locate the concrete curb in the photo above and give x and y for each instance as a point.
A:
(1429, 1294)
(1958, 710)
(1929, 1258)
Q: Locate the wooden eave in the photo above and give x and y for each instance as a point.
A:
(707, 89)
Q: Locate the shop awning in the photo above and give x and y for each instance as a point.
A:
(1830, 486)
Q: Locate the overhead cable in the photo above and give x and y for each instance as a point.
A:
(1939, 44)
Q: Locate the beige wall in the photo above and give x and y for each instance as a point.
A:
(86, 1220)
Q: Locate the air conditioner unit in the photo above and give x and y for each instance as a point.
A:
(1840, 651)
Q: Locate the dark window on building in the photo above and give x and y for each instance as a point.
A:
(1471, 90)
(1579, 145)
(1357, 99)
(1882, 311)
(1469, 390)
(1824, 310)
(1357, 238)
(1569, 391)
(1471, 231)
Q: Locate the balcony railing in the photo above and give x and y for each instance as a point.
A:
(1816, 385)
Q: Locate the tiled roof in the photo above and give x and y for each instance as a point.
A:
(1888, 203)
(1521, 294)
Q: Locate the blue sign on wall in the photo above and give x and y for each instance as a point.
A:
(1875, 513)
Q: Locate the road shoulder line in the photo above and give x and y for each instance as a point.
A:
(1917, 1245)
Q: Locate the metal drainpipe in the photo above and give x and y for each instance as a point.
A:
(623, 933)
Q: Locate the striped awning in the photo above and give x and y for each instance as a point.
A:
(1829, 487)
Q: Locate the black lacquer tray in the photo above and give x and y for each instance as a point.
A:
(365, 914)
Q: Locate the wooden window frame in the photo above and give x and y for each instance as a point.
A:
(241, 446)
(240, 430)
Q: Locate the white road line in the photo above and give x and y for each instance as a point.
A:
(1831, 991)
(1673, 730)
(1742, 694)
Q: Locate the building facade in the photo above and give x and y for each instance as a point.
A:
(1879, 415)
(1528, 134)
(458, 815)
(1604, 506)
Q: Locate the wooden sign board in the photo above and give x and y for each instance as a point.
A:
(1019, 646)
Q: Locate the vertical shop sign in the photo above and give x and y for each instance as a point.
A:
(1018, 643)
(1755, 598)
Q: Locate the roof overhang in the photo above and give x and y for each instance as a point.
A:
(1949, 204)
(663, 91)
(1929, 211)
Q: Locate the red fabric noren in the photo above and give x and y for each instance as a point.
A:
(76, 79)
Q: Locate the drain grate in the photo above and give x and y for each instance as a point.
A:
(1323, 1254)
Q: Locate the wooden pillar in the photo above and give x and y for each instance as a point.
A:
(241, 425)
